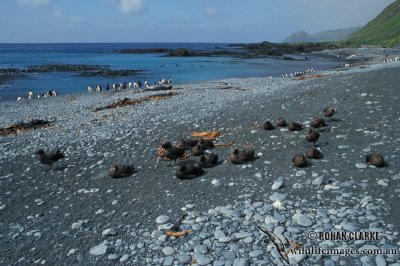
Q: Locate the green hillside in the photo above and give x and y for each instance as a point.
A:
(382, 30)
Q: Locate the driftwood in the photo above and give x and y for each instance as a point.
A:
(20, 127)
(132, 102)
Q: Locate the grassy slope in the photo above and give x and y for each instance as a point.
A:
(384, 29)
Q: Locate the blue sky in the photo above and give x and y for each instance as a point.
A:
(177, 20)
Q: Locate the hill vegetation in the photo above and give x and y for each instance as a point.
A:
(382, 30)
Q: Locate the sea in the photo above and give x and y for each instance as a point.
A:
(154, 66)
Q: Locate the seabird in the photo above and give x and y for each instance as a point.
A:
(197, 150)
(171, 152)
(120, 171)
(208, 160)
(299, 160)
(294, 126)
(268, 125)
(50, 157)
(375, 159)
(239, 157)
(187, 144)
(312, 136)
(206, 144)
(281, 122)
(188, 171)
(329, 112)
(313, 153)
(317, 122)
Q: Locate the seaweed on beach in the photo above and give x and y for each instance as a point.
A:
(132, 102)
(20, 127)
(314, 77)
(231, 88)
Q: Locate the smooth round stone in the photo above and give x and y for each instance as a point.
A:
(380, 260)
(257, 204)
(114, 256)
(365, 260)
(256, 253)
(297, 186)
(361, 165)
(301, 173)
(156, 234)
(168, 261)
(277, 196)
(293, 230)
(197, 227)
(125, 257)
(230, 213)
(240, 262)
(71, 252)
(162, 219)
(392, 256)
(168, 251)
(329, 262)
(99, 249)
(383, 182)
(318, 181)
(201, 249)
(248, 240)
(302, 219)
(296, 258)
(118, 243)
(109, 232)
(201, 259)
(224, 239)
(270, 220)
(274, 252)
(216, 182)
(242, 234)
(351, 227)
(219, 233)
(230, 255)
(201, 219)
(278, 183)
(220, 263)
(279, 230)
(184, 258)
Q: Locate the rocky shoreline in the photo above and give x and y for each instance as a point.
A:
(81, 69)
(76, 214)
(252, 50)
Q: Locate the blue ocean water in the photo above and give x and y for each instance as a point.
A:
(155, 66)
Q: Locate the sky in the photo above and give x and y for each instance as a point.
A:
(228, 21)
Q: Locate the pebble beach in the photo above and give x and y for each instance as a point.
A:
(75, 214)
